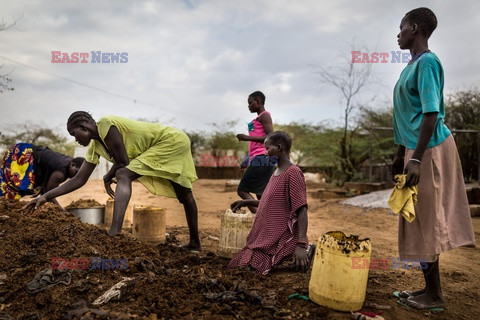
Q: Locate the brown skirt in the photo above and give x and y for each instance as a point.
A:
(443, 219)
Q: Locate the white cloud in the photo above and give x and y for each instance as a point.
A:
(194, 62)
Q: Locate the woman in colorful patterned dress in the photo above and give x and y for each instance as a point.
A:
(27, 169)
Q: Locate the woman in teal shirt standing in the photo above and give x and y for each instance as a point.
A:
(427, 154)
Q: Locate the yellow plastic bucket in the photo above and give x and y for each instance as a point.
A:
(234, 229)
(127, 219)
(336, 282)
(149, 224)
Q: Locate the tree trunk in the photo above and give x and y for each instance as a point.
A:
(346, 159)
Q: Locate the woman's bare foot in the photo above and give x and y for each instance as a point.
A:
(424, 302)
(191, 247)
(405, 294)
(114, 232)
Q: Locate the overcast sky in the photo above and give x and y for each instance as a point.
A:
(193, 63)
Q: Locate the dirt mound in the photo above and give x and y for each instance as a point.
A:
(84, 203)
(168, 282)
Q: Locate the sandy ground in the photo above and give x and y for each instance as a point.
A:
(459, 267)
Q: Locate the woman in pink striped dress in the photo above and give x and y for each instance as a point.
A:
(280, 227)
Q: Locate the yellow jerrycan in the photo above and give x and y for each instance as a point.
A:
(338, 281)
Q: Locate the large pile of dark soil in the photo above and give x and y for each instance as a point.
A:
(169, 283)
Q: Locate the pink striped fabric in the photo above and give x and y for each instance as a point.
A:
(274, 233)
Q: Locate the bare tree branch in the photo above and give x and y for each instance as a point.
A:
(4, 79)
(350, 79)
(5, 26)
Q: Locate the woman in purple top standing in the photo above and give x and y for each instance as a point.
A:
(259, 166)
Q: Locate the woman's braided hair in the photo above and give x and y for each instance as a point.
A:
(77, 118)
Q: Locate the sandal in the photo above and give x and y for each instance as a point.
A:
(190, 249)
(421, 306)
(402, 294)
(405, 294)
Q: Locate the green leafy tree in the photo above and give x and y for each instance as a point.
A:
(223, 139)
(463, 110)
(463, 113)
(36, 134)
(312, 143)
(378, 123)
(198, 141)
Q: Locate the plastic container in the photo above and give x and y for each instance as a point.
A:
(127, 219)
(93, 215)
(149, 224)
(339, 276)
(234, 229)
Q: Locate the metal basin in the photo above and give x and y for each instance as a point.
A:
(93, 215)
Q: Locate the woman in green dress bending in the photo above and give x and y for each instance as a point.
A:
(157, 156)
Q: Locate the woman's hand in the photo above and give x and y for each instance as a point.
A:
(34, 204)
(242, 137)
(300, 259)
(237, 205)
(244, 163)
(107, 181)
(412, 170)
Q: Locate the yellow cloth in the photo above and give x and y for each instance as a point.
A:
(160, 154)
(403, 199)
